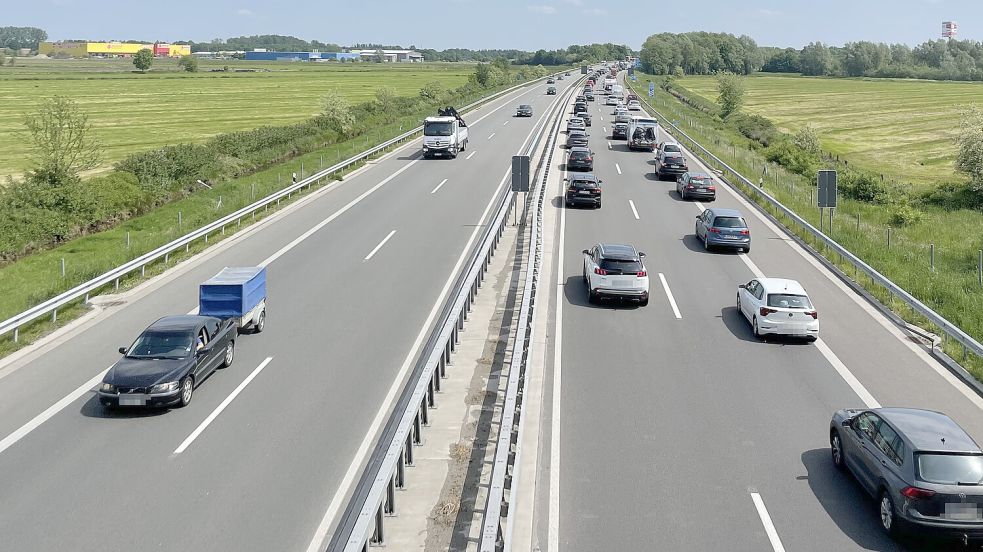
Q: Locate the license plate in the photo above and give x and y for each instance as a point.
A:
(138, 400)
(621, 284)
(960, 511)
(729, 237)
(584, 193)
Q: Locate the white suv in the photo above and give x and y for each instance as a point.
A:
(615, 270)
(778, 306)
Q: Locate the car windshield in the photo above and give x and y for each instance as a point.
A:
(950, 469)
(788, 301)
(438, 128)
(621, 266)
(157, 344)
(671, 148)
(729, 222)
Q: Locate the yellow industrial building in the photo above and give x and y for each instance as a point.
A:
(87, 49)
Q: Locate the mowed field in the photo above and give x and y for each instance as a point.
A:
(131, 111)
(904, 129)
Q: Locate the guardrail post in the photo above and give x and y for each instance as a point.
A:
(54, 315)
(417, 437)
(931, 254)
(143, 271)
(436, 381)
(408, 449)
(16, 334)
(424, 412)
(442, 366)
(391, 496)
(979, 268)
(431, 394)
(117, 284)
(167, 257)
(401, 470)
(378, 536)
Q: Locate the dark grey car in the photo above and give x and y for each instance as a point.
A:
(924, 470)
(577, 138)
(696, 185)
(723, 228)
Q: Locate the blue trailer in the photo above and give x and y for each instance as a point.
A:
(236, 292)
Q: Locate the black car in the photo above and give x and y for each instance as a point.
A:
(925, 471)
(583, 189)
(579, 107)
(670, 164)
(589, 95)
(576, 138)
(619, 131)
(586, 117)
(580, 159)
(524, 110)
(169, 359)
(550, 90)
(696, 186)
(580, 99)
(551, 80)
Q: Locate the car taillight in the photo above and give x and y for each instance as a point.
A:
(689, 186)
(813, 314)
(713, 230)
(600, 271)
(745, 233)
(765, 311)
(916, 492)
(590, 159)
(642, 273)
(712, 188)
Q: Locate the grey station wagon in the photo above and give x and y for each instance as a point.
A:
(924, 470)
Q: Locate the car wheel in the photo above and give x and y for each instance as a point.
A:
(261, 323)
(230, 354)
(754, 327)
(747, 249)
(598, 204)
(889, 519)
(739, 311)
(836, 449)
(682, 195)
(187, 390)
(644, 301)
(591, 296)
(706, 242)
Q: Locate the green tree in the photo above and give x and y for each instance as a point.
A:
(731, 89)
(386, 103)
(189, 63)
(807, 138)
(969, 158)
(815, 59)
(143, 59)
(432, 92)
(62, 138)
(336, 111)
(482, 74)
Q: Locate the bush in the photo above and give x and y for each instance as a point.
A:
(793, 158)
(863, 186)
(755, 127)
(954, 196)
(904, 214)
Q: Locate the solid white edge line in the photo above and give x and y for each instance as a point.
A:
(672, 300)
(470, 155)
(634, 211)
(378, 247)
(321, 533)
(218, 410)
(442, 182)
(30, 426)
(617, 166)
(553, 533)
(759, 505)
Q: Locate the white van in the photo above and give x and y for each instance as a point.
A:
(643, 133)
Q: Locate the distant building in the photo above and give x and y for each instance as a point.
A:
(391, 56)
(102, 49)
(261, 54)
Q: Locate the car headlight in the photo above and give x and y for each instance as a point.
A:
(165, 387)
(107, 388)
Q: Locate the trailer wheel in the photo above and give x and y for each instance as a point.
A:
(260, 322)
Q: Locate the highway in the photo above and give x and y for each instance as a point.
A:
(262, 458)
(672, 426)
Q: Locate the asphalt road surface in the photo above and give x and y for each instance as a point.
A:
(356, 276)
(682, 431)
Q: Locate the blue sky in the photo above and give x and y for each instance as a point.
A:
(527, 25)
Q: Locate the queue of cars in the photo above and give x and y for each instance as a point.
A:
(924, 472)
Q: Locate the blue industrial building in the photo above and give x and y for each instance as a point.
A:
(300, 56)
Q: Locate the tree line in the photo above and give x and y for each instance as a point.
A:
(21, 37)
(700, 53)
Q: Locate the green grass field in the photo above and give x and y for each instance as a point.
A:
(131, 111)
(904, 129)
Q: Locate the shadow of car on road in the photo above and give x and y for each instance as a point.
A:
(92, 408)
(575, 291)
(739, 326)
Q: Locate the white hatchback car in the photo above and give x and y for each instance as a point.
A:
(634, 106)
(612, 100)
(778, 306)
(615, 270)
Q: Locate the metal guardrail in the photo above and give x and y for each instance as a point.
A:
(363, 522)
(51, 306)
(497, 526)
(951, 330)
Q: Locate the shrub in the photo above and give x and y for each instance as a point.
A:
(904, 214)
(863, 186)
(793, 158)
(755, 127)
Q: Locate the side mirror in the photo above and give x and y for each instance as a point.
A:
(847, 422)
(742, 286)
(201, 351)
(122, 350)
(586, 252)
(640, 254)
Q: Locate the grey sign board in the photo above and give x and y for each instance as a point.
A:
(520, 173)
(583, 69)
(826, 188)
(631, 70)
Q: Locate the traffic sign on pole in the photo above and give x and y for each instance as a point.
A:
(651, 89)
(826, 189)
(520, 173)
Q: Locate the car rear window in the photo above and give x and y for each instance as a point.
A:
(950, 469)
(729, 222)
(620, 265)
(525, 106)
(701, 180)
(579, 155)
(788, 301)
(671, 148)
(583, 184)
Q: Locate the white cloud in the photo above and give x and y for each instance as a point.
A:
(574, 2)
(541, 8)
(768, 13)
(245, 12)
(595, 11)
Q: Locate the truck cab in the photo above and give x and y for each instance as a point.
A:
(444, 135)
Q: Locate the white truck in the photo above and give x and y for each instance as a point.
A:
(445, 134)
(642, 133)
